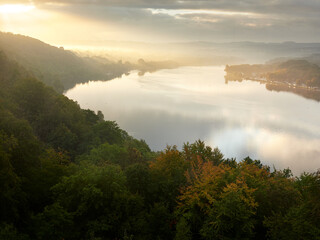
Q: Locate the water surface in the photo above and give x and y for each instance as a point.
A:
(185, 104)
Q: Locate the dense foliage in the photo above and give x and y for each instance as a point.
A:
(66, 173)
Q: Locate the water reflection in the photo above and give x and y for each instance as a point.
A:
(190, 103)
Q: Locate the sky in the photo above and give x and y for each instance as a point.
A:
(90, 22)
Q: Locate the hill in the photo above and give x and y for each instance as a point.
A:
(298, 76)
(303, 71)
(56, 67)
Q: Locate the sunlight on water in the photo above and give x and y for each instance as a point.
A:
(190, 103)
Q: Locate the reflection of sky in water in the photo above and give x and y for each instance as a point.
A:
(190, 103)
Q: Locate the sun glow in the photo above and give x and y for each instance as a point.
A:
(15, 8)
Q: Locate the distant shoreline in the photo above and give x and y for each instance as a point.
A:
(286, 84)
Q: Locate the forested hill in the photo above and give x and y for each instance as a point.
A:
(42, 135)
(298, 72)
(57, 67)
(54, 119)
(66, 173)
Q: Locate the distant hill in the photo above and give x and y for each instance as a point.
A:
(295, 71)
(298, 76)
(253, 52)
(62, 69)
(57, 67)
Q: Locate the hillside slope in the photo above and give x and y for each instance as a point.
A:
(57, 67)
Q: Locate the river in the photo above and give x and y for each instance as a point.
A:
(189, 103)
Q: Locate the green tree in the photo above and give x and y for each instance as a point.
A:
(232, 214)
(97, 198)
(53, 223)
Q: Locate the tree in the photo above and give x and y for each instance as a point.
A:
(97, 198)
(301, 220)
(10, 183)
(183, 231)
(167, 172)
(53, 223)
(231, 215)
(199, 149)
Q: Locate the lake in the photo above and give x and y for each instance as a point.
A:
(170, 107)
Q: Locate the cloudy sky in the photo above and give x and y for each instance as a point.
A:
(86, 22)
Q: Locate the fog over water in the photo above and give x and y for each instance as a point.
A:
(189, 103)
